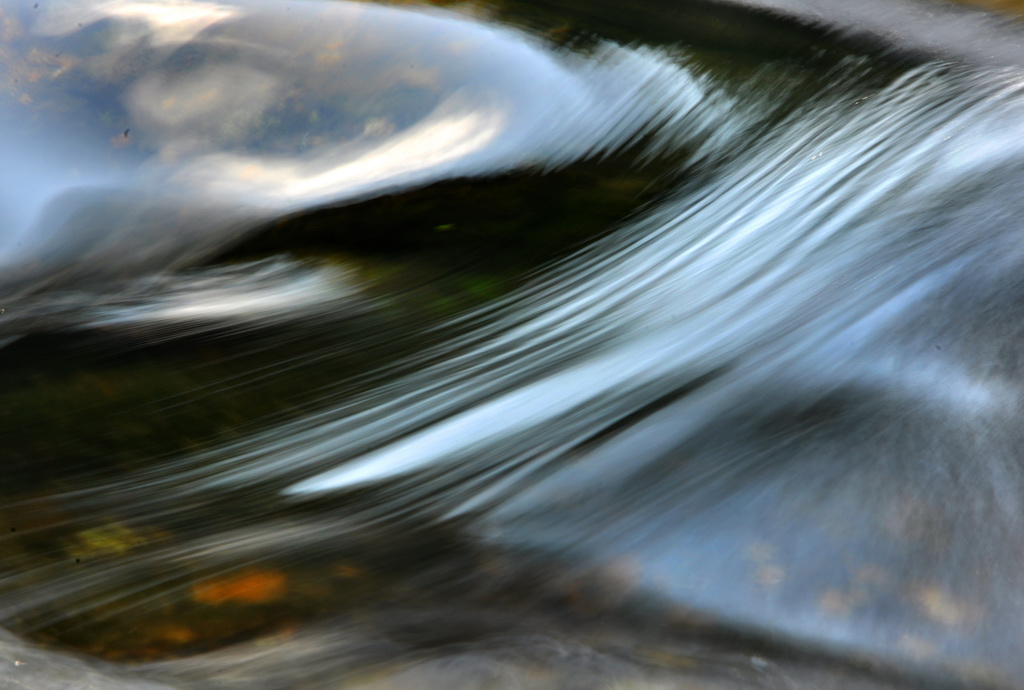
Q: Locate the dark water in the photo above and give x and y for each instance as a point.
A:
(535, 345)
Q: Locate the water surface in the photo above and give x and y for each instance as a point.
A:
(351, 345)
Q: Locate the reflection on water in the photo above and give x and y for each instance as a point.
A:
(375, 347)
(216, 118)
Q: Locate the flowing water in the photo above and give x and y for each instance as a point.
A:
(529, 345)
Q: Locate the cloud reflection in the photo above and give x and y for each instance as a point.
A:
(234, 115)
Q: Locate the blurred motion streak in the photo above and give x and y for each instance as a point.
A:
(762, 429)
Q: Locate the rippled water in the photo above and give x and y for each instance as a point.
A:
(513, 346)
